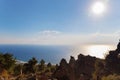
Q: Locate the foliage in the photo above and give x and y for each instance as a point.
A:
(42, 62)
(111, 77)
(18, 69)
(53, 68)
(99, 66)
(42, 65)
(30, 67)
(49, 65)
(7, 61)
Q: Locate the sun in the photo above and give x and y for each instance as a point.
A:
(98, 8)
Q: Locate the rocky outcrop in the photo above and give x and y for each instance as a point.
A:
(63, 71)
(79, 69)
(84, 67)
(113, 61)
(72, 62)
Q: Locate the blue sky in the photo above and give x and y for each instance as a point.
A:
(57, 22)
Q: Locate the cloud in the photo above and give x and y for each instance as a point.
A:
(74, 39)
(102, 0)
(49, 33)
(53, 37)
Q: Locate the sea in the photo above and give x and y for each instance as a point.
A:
(50, 53)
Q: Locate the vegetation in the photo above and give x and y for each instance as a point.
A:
(7, 62)
(99, 66)
(41, 66)
(112, 77)
(31, 67)
(8, 66)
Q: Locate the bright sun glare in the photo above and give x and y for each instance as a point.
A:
(98, 8)
(98, 50)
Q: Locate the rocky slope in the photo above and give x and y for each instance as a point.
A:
(82, 68)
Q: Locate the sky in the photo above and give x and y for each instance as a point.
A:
(58, 22)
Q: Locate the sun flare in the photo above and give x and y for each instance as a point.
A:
(98, 8)
(98, 50)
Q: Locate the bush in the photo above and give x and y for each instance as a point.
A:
(111, 77)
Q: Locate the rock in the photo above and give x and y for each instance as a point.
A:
(72, 62)
(78, 69)
(113, 61)
(62, 71)
(84, 67)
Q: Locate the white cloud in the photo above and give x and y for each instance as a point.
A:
(49, 33)
(74, 39)
(48, 37)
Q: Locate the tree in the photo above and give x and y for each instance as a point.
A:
(42, 62)
(56, 66)
(30, 67)
(18, 69)
(7, 62)
(42, 65)
(49, 65)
